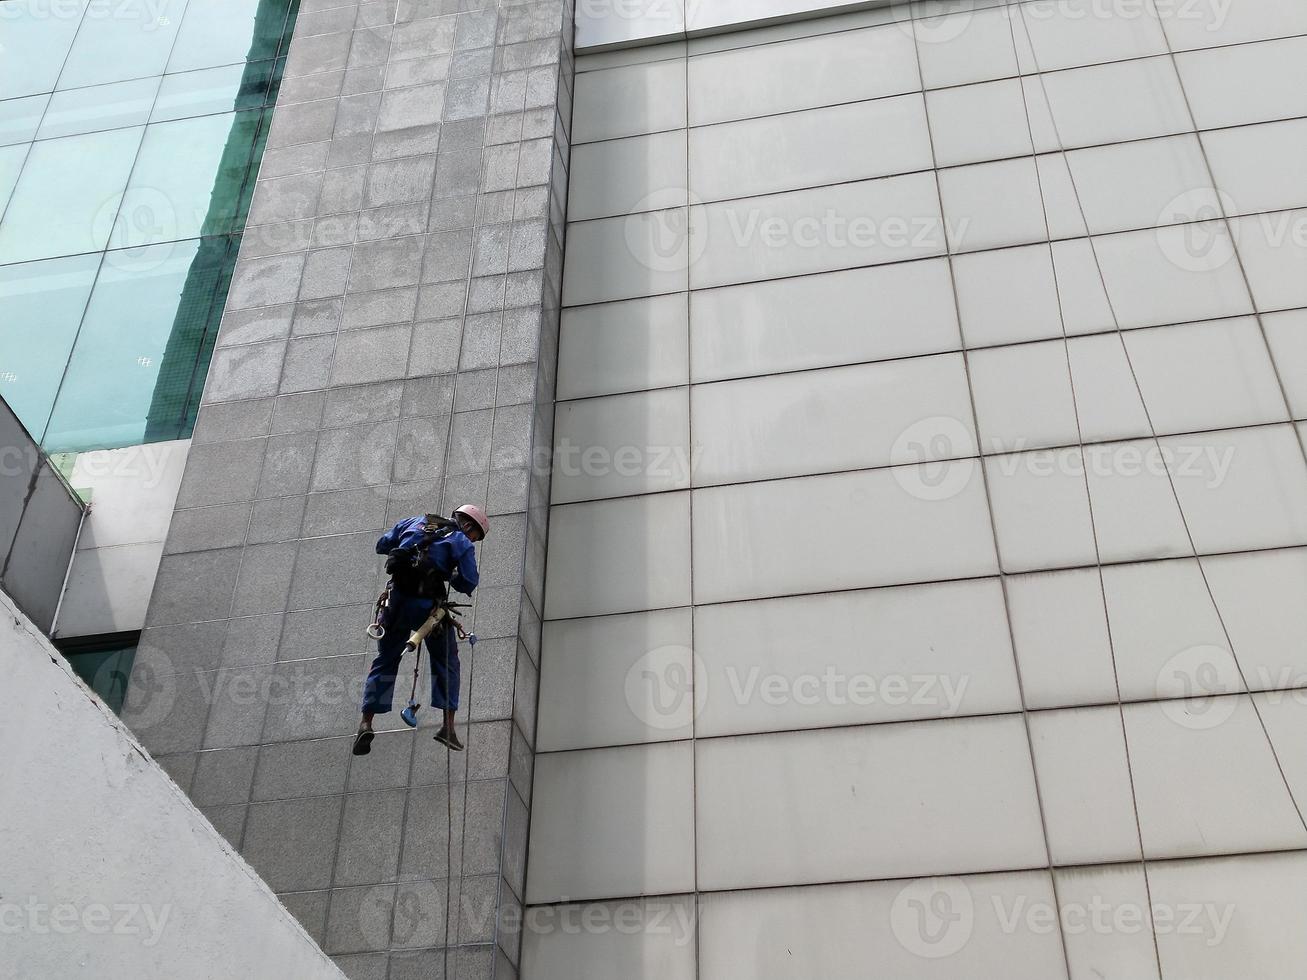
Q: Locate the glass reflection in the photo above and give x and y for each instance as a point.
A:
(118, 41)
(187, 180)
(35, 36)
(130, 136)
(41, 306)
(67, 197)
(20, 118)
(134, 362)
(224, 32)
(91, 110)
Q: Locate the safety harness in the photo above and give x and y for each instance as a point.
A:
(412, 570)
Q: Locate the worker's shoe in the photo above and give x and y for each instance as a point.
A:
(363, 741)
(447, 737)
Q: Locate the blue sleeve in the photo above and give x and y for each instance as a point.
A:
(389, 541)
(457, 558)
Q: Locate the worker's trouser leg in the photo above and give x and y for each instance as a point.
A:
(402, 616)
(442, 645)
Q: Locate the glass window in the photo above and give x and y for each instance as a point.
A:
(11, 165)
(41, 306)
(130, 135)
(227, 32)
(61, 205)
(20, 118)
(106, 668)
(187, 180)
(136, 357)
(201, 93)
(119, 41)
(100, 107)
(35, 36)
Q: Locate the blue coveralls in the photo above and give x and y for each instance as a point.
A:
(455, 556)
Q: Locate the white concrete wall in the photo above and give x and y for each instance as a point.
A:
(132, 492)
(107, 868)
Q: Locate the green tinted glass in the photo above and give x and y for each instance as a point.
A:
(187, 180)
(201, 93)
(135, 357)
(41, 305)
(130, 136)
(67, 198)
(101, 107)
(105, 672)
(226, 32)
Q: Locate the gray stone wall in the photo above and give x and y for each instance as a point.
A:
(388, 348)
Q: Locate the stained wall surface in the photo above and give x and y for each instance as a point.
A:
(386, 350)
(929, 517)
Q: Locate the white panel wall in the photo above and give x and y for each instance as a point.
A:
(132, 492)
(971, 600)
(116, 867)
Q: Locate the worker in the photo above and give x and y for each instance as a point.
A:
(425, 556)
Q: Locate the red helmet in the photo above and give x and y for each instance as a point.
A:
(477, 515)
